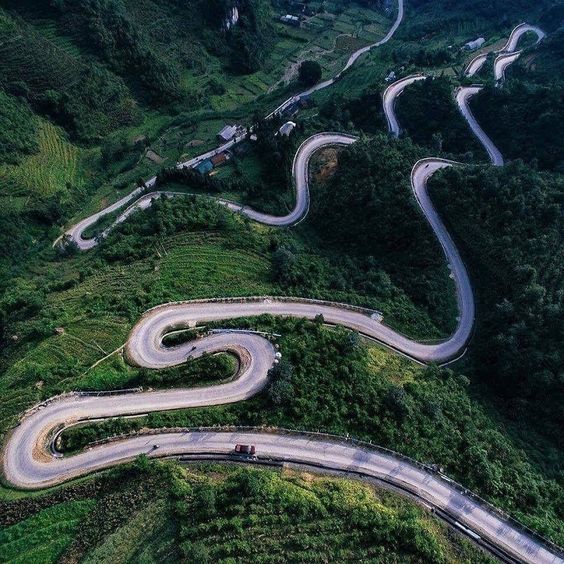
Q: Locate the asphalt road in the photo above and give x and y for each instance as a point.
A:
(27, 462)
(432, 488)
(476, 64)
(389, 100)
(463, 95)
(507, 54)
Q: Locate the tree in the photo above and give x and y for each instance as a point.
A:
(309, 73)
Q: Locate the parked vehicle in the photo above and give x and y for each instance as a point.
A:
(245, 449)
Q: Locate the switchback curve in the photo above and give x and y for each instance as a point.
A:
(27, 464)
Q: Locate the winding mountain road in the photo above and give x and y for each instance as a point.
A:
(463, 95)
(507, 54)
(75, 233)
(29, 464)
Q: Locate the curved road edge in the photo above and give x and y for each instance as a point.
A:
(437, 490)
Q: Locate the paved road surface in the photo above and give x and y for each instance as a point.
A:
(389, 100)
(27, 471)
(476, 64)
(504, 60)
(463, 95)
(27, 462)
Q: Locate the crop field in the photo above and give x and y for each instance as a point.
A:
(44, 536)
(327, 37)
(54, 168)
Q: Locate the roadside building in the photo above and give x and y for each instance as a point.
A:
(227, 133)
(289, 19)
(473, 45)
(205, 166)
(219, 159)
(287, 128)
(391, 76)
(292, 109)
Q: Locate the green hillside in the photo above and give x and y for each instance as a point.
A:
(97, 96)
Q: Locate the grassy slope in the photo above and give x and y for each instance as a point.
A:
(109, 332)
(45, 536)
(213, 512)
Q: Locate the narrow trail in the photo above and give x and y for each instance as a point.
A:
(29, 462)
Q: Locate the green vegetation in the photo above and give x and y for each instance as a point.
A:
(45, 536)
(309, 72)
(509, 224)
(456, 17)
(367, 210)
(88, 86)
(17, 130)
(154, 512)
(428, 114)
(529, 114)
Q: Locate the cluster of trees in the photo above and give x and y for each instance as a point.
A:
(136, 238)
(246, 43)
(509, 222)
(84, 97)
(368, 209)
(18, 130)
(363, 112)
(421, 57)
(525, 118)
(25, 237)
(264, 514)
(427, 112)
(440, 16)
(104, 27)
(309, 73)
(97, 104)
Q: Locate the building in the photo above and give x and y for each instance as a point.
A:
(219, 159)
(290, 20)
(204, 167)
(473, 45)
(287, 128)
(292, 109)
(227, 133)
(391, 76)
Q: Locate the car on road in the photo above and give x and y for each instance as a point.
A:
(245, 449)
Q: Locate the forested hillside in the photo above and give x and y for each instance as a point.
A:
(509, 222)
(97, 96)
(210, 513)
(529, 117)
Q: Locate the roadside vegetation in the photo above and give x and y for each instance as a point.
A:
(88, 87)
(154, 512)
(508, 221)
(428, 114)
(529, 112)
(431, 414)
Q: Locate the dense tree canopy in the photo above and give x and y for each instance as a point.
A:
(509, 222)
(309, 72)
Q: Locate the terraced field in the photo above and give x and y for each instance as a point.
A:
(45, 536)
(52, 169)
